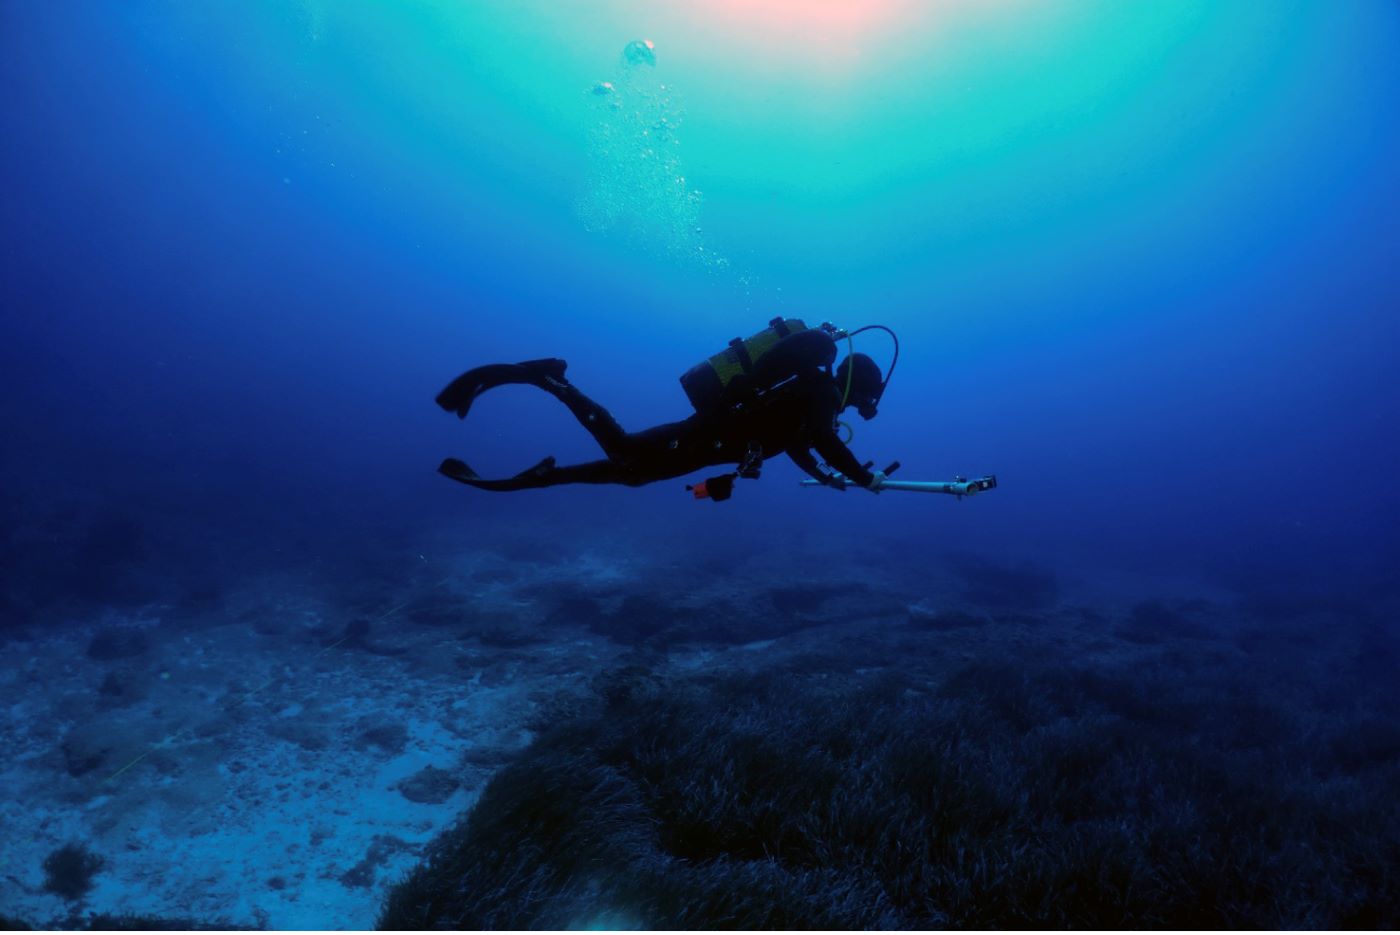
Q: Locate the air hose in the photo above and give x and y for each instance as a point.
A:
(851, 371)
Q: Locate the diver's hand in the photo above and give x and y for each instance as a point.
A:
(877, 481)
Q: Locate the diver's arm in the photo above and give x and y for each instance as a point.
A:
(802, 457)
(826, 402)
(835, 453)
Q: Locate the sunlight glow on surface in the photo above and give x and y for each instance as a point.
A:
(825, 38)
(834, 25)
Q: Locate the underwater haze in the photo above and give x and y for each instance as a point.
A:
(264, 666)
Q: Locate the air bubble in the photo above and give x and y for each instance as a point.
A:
(637, 187)
(640, 52)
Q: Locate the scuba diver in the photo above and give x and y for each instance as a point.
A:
(774, 393)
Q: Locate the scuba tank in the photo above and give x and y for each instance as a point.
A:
(729, 378)
(746, 369)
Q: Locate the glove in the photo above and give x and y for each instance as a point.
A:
(877, 481)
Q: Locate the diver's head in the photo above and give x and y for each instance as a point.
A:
(866, 383)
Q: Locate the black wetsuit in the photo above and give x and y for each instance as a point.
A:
(796, 418)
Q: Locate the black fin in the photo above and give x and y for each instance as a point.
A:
(544, 466)
(459, 395)
(546, 367)
(457, 470)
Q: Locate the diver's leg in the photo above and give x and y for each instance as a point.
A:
(600, 423)
(660, 453)
(546, 474)
(548, 375)
(461, 392)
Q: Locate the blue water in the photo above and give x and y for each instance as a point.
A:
(1142, 263)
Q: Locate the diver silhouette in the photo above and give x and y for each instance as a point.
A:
(772, 394)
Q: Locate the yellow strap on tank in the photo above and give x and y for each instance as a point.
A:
(726, 366)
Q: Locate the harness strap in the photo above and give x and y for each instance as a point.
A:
(741, 354)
